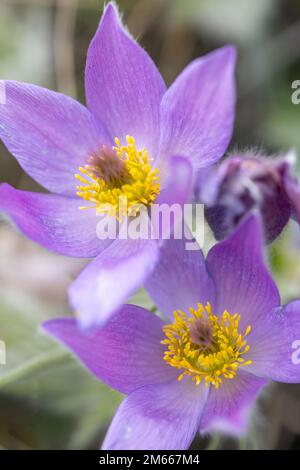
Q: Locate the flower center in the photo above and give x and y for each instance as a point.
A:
(119, 180)
(204, 346)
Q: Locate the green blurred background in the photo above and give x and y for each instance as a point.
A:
(47, 400)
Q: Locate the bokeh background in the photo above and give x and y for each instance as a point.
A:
(47, 400)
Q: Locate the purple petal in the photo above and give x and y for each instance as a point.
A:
(107, 282)
(49, 134)
(53, 221)
(275, 345)
(126, 354)
(243, 283)
(197, 112)
(176, 191)
(227, 409)
(180, 279)
(292, 188)
(176, 187)
(157, 417)
(123, 86)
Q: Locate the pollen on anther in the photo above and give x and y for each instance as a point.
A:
(206, 347)
(118, 181)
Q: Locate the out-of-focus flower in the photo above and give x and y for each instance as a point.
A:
(245, 182)
(135, 140)
(226, 337)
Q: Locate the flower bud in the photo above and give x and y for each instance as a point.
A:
(246, 182)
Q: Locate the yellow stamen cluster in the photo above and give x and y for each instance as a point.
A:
(119, 181)
(204, 346)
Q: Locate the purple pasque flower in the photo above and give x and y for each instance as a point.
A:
(135, 139)
(245, 182)
(226, 337)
